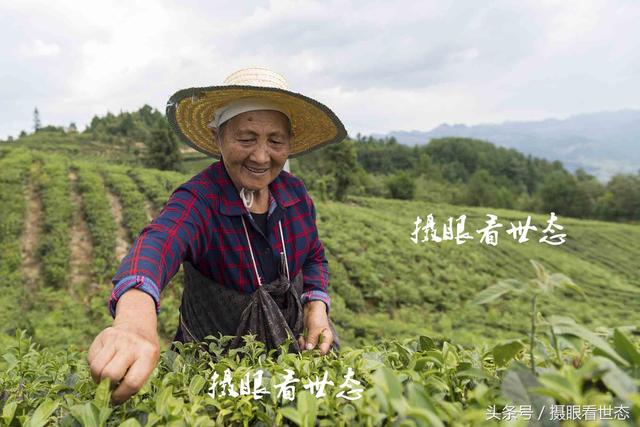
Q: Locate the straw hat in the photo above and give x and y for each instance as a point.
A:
(191, 110)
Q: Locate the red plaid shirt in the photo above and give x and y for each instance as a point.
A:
(201, 223)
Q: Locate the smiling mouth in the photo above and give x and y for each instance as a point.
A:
(257, 170)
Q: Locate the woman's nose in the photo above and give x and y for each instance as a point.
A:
(261, 153)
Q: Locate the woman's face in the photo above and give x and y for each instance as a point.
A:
(254, 147)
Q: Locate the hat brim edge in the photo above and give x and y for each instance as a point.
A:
(180, 95)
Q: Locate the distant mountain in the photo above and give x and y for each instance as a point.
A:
(603, 143)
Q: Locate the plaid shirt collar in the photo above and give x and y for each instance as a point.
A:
(230, 201)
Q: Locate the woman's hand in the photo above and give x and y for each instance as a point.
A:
(127, 352)
(316, 323)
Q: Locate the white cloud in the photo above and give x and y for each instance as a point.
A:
(37, 48)
(382, 66)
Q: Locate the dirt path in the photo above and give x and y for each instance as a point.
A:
(29, 243)
(80, 241)
(122, 245)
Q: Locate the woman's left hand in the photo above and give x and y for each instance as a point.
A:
(316, 323)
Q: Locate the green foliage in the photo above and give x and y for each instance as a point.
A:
(134, 216)
(544, 283)
(157, 186)
(468, 172)
(163, 151)
(382, 285)
(388, 156)
(51, 181)
(379, 280)
(460, 171)
(621, 198)
(147, 127)
(100, 219)
(402, 186)
(335, 168)
(137, 125)
(419, 381)
(14, 169)
(398, 381)
(389, 285)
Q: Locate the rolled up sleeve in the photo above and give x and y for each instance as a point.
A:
(142, 283)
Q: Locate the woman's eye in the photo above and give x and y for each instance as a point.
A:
(275, 141)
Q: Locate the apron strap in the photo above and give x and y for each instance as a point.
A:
(284, 248)
(253, 260)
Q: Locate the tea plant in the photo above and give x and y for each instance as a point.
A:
(14, 168)
(569, 376)
(543, 284)
(52, 183)
(417, 381)
(133, 202)
(102, 226)
(157, 185)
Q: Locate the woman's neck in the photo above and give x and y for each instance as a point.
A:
(260, 201)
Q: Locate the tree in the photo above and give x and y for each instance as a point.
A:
(342, 166)
(36, 120)
(163, 151)
(621, 200)
(482, 190)
(402, 186)
(560, 193)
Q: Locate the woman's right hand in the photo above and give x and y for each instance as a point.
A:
(127, 352)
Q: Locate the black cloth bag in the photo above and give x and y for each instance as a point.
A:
(273, 312)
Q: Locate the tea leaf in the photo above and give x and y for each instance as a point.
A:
(615, 378)
(626, 348)
(8, 411)
(505, 352)
(307, 407)
(564, 325)
(516, 388)
(42, 413)
(292, 414)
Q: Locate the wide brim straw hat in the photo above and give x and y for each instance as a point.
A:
(190, 111)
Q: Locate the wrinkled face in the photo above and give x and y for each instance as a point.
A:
(254, 147)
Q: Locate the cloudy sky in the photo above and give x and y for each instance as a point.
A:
(382, 66)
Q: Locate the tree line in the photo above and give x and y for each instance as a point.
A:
(146, 125)
(459, 171)
(144, 133)
(467, 172)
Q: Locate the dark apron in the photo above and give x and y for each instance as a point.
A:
(273, 312)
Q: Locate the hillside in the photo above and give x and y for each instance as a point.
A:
(67, 222)
(603, 143)
(421, 354)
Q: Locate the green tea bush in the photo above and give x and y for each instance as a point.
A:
(418, 381)
(156, 185)
(378, 269)
(14, 168)
(52, 183)
(99, 218)
(133, 202)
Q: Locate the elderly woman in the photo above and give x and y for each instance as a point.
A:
(244, 229)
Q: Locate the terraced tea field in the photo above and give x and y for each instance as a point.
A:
(66, 222)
